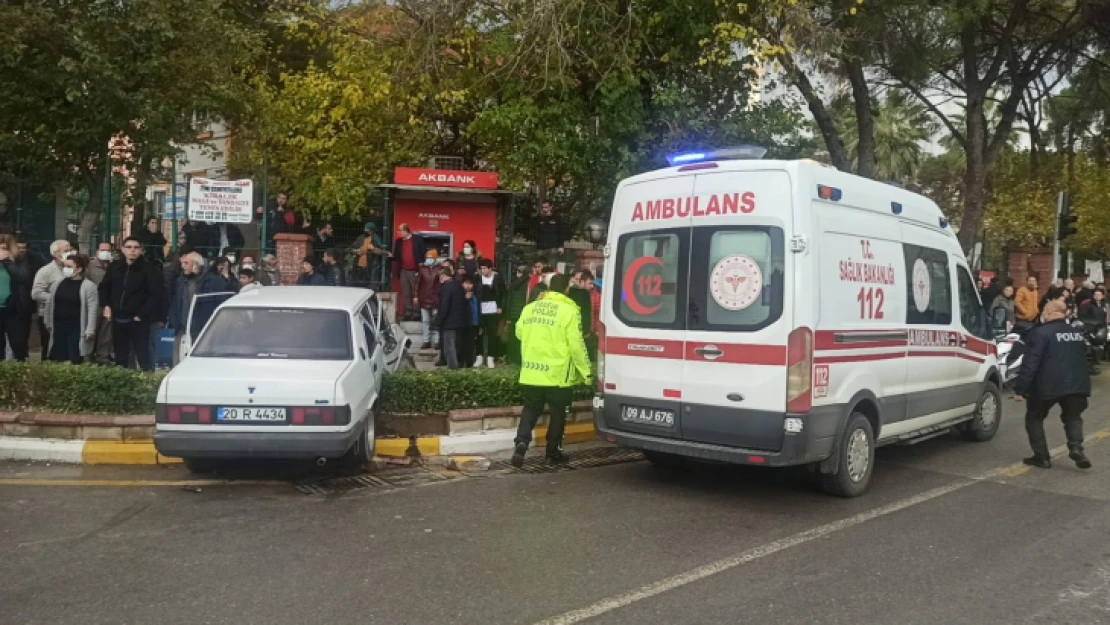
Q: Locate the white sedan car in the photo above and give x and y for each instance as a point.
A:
(280, 372)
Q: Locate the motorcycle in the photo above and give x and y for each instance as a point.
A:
(1010, 348)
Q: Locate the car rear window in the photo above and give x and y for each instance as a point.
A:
(737, 283)
(651, 278)
(738, 279)
(277, 333)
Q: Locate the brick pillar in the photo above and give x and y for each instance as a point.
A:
(291, 251)
(1032, 261)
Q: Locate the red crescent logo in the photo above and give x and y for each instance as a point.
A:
(629, 285)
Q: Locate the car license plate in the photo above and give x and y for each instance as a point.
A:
(647, 416)
(250, 414)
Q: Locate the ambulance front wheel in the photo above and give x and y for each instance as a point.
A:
(855, 460)
(988, 416)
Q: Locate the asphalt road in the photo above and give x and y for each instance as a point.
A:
(951, 533)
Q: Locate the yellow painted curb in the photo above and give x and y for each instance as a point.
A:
(428, 446)
(574, 433)
(129, 452)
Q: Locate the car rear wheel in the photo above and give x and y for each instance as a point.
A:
(665, 460)
(855, 460)
(362, 452)
(988, 416)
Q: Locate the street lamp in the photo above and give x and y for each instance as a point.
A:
(596, 231)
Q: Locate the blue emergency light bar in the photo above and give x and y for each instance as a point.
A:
(742, 152)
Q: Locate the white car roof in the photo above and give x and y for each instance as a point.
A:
(314, 297)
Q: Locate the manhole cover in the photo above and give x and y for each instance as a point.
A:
(585, 459)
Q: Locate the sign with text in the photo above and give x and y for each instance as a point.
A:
(221, 201)
(445, 178)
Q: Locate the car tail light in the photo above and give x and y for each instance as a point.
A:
(322, 415)
(799, 371)
(204, 414)
(173, 414)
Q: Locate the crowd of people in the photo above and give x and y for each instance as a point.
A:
(1059, 358)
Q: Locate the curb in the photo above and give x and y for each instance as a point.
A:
(142, 452)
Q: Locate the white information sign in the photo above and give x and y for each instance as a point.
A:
(221, 201)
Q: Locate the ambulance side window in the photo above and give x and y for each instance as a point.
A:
(652, 268)
(972, 314)
(928, 286)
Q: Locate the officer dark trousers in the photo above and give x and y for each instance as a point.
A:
(1071, 407)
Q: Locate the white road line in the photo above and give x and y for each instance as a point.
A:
(708, 570)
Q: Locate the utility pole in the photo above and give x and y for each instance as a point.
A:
(265, 204)
(173, 201)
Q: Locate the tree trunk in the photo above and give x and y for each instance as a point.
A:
(865, 121)
(833, 143)
(90, 218)
(975, 176)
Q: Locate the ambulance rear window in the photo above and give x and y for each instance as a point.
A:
(737, 278)
(651, 278)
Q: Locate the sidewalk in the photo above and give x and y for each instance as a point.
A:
(127, 440)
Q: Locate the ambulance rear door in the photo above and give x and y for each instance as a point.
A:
(645, 334)
(738, 318)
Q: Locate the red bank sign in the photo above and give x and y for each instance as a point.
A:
(719, 204)
(445, 178)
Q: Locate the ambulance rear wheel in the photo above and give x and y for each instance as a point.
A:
(855, 460)
(988, 416)
(664, 460)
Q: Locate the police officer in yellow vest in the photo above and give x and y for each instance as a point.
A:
(554, 361)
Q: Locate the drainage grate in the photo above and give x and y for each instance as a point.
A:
(393, 478)
(585, 459)
(340, 485)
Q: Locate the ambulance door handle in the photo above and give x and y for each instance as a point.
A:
(709, 352)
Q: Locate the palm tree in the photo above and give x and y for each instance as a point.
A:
(902, 131)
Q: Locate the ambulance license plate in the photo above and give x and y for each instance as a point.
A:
(647, 416)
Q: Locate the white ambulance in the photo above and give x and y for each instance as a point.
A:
(783, 313)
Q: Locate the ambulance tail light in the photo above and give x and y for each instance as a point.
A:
(799, 371)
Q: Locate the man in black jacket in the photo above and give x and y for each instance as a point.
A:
(132, 292)
(331, 269)
(1054, 371)
(453, 317)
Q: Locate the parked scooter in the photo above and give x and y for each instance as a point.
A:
(1010, 348)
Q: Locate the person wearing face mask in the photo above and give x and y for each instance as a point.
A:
(72, 312)
(49, 275)
(427, 299)
(98, 268)
(469, 257)
(408, 252)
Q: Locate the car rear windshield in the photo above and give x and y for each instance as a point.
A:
(277, 333)
(704, 278)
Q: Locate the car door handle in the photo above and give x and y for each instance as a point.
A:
(735, 397)
(709, 352)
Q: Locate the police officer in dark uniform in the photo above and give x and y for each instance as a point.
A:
(1054, 371)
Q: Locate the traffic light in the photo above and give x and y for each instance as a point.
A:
(1066, 227)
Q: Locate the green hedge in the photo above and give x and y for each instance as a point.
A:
(85, 389)
(442, 390)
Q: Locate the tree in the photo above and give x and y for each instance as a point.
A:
(955, 49)
(902, 129)
(87, 86)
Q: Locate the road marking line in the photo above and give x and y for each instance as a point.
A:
(708, 570)
(38, 482)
